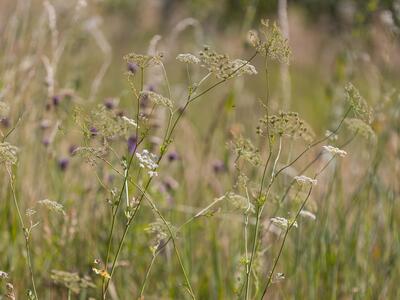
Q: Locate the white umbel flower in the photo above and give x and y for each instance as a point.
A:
(282, 223)
(188, 58)
(147, 160)
(335, 151)
(304, 180)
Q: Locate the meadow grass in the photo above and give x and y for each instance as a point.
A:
(178, 174)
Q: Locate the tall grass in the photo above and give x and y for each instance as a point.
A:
(190, 181)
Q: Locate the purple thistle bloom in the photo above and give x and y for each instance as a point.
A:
(5, 122)
(93, 131)
(109, 103)
(63, 163)
(71, 150)
(218, 166)
(132, 67)
(56, 100)
(132, 144)
(172, 156)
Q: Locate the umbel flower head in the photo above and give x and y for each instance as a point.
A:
(360, 127)
(143, 61)
(4, 110)
(156, 99)
(223, 67)
(334, 151)
(8, 153)
(358, 104)
(275, 46)
(188, 58)
(244, 148)
(286, 124)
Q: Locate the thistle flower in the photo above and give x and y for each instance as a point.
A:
(132, 143)
(63, 163)
(335, 151)
(172, 156)
(304, 180)
(282, 223)
(358, 104)
(223, 67)
(53, 206)
(188, 58)
(56, 100)
(286, 124)
(275, 45)
(8, 154)
(110, 103)
(157, 99)
(4, 110)
(218, 166)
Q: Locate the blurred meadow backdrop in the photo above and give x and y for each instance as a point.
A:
(158, 150)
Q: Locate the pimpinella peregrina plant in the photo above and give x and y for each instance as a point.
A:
(358, 104)
(8, 154)
(274, 46)
(222, 66)
(287, 124)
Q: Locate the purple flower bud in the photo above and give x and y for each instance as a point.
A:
(46, 142)
(110, 103)
(218, 166)
(172, 156)
(132, 143)
(71, 150)
(93, 131)
(5, 122)
(63, 163)
(56, 100)
(151, 88)
(132, 67)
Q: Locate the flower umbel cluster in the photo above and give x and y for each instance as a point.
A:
(245, 149)
(53, 206)
(275, 46)
(335, 151)
(360, 127)
(8, 153)
(157, 99)
(72, 281)
(143, 61)
(188, 58)
(223, 67)
(304, 180)
(358, 104)
(147, 161)
(282, 223)
(286, 124)
(4, 110)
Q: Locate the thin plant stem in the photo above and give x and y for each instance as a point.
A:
(26, 232)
